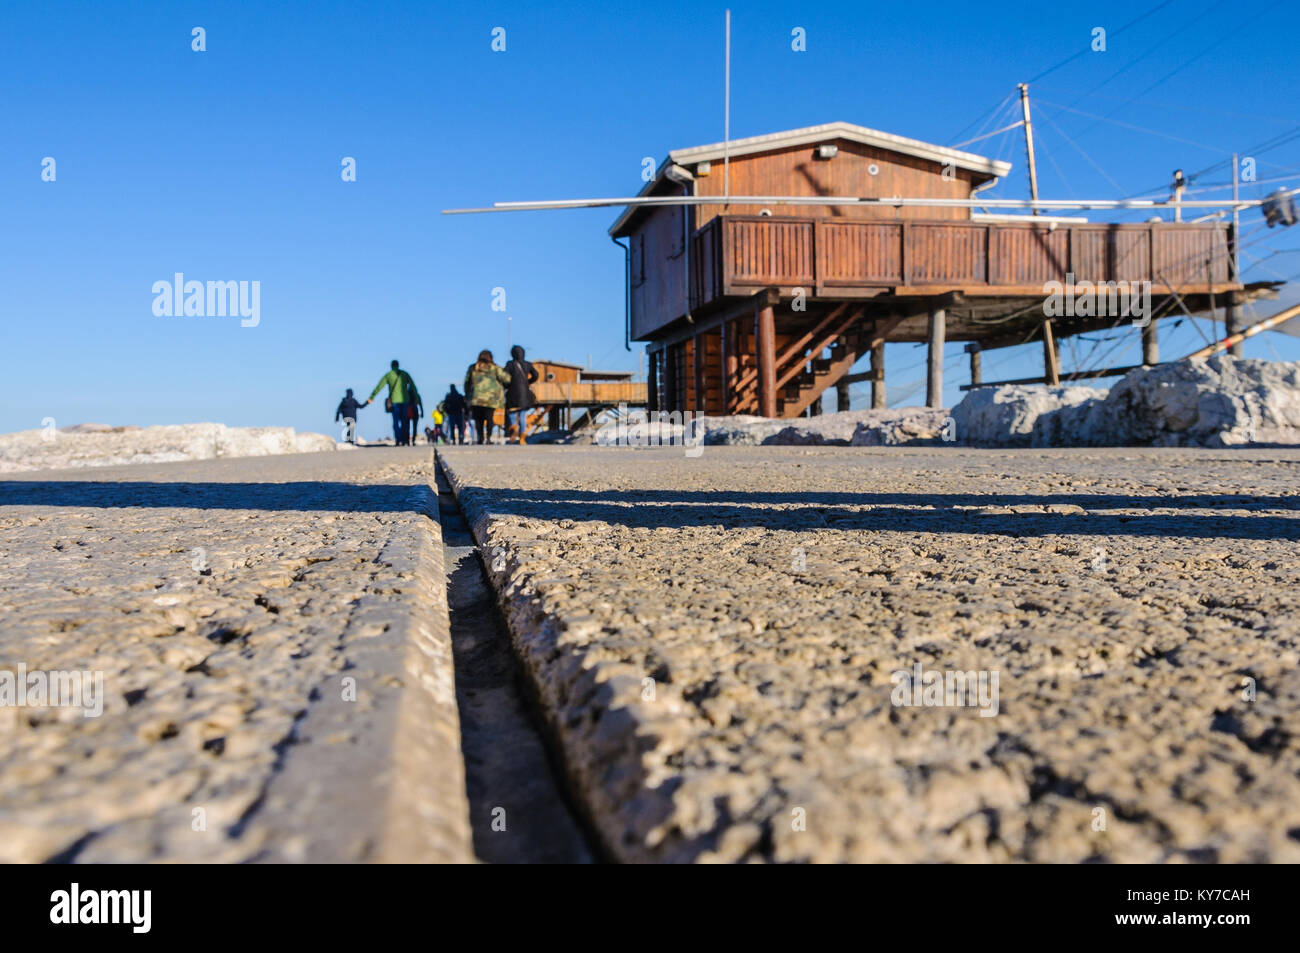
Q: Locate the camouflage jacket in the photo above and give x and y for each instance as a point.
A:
(483, 387)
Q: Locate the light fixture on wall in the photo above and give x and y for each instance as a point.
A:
(677, 174)
(828, 151)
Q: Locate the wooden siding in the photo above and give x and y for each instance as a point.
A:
(557, 373)
(658, 278)
(797, 171)
(943, 254)
(761, 248)
(849, 254)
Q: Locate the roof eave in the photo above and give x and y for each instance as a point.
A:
(617, 229)
(840, 130)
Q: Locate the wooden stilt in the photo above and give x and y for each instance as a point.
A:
(746, 395)
(976, 363)
(698, 346)
(792, 355)
(1051, 360)
(730, 366)
(652, 383)
(934, 375)
(842, 396)
(878, 377)
(670, 378)
(1150, 344)
(1231, 325)
(765, 331)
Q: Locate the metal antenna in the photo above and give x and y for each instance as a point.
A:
(726, 113)
(1236, 218)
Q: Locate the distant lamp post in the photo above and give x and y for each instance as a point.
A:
(1180, 183)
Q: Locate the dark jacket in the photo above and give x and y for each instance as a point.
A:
(518, 395)
(412, 394)
(454, 404)
(348, 407)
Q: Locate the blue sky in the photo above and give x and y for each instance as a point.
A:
(225, 165)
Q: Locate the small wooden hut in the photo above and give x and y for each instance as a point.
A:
(562, 388)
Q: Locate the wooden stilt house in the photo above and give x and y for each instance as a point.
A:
(747, 309)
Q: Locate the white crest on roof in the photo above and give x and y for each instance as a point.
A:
(826, 132)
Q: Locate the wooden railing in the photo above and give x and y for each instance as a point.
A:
(739, 254)
(590, 393)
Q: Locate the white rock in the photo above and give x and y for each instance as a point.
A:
(639, 434)
(893, 428)
(859, 428)
(96, 428)
(869, 428)
(97, 445)
(1221, 402)
(1005, 416)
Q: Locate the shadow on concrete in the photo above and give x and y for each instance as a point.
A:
(306, 496)
(1194, 515)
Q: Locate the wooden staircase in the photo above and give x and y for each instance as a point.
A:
(804, 373)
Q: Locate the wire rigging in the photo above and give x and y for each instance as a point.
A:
(1151, 49)
(996, 111)
(1081, 151)
(1186, 63)
(1070, 59)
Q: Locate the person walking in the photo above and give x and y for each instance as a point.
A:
(453, 405)
(519, 395)
(484, 385)
(347, 412)
(414, 408)
(396, 382)
(436, 435)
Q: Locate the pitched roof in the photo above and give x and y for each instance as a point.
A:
(811, 135)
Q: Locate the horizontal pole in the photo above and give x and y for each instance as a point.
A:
(861, 378)
(1270, 322)
(1257, 328)
(1065, 378)
(1015, 125)
(881, 201)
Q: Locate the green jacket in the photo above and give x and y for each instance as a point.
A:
(483, 388)
(396, 387)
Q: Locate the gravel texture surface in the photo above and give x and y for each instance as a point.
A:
(718, 641)
(277, 670)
